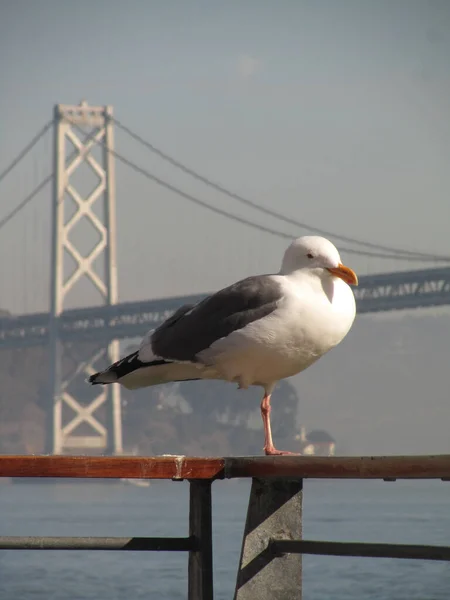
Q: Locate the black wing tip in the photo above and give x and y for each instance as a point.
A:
(93, 379)
(96, 378)
(119, 369)
(114, 372)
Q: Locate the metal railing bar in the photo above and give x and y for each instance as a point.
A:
(360, 549)
(161, 544)
(200, 565)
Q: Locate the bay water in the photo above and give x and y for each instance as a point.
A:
(369, 511)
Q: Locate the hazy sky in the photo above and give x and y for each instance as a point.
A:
(334, 112)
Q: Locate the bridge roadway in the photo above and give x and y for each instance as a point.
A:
(376, 293)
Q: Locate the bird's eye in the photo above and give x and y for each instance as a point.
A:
(309, 255)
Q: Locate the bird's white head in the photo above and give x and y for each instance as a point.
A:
(314, 252)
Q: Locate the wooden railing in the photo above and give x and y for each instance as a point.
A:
(270, 564)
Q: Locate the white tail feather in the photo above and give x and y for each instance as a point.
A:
(157, 374)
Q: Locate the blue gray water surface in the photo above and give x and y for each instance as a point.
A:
(400, 512)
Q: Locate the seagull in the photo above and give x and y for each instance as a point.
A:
(255, 332)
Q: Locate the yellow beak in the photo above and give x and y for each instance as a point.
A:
(345, 273)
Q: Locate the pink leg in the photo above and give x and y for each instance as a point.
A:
(269, 448)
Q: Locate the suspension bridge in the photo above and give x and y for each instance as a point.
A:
(89, 131)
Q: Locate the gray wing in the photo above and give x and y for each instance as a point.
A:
(194, 328)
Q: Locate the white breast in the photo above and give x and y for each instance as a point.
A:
(312, 318)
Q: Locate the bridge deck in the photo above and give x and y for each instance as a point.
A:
(376, 293)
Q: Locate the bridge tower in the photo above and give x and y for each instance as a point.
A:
(84, 419)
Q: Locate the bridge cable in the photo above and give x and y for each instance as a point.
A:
(25, 201)
(270, 212)
(39, 187)
(27, 148)
(253, 224)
